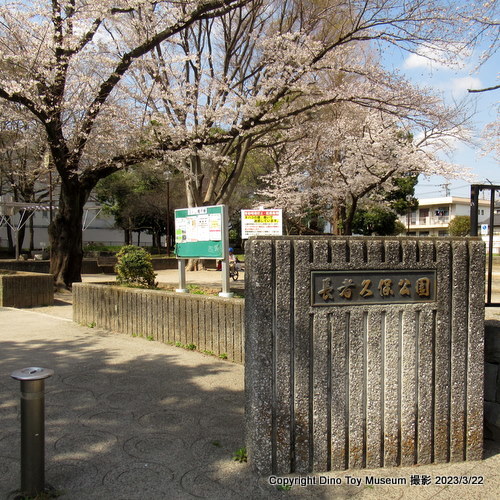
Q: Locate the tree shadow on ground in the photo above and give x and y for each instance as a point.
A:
(131, 419)
(127, 418)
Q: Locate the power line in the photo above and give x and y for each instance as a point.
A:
(446, 188)
(449, 189)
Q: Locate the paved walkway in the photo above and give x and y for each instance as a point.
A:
(131, 419)
(210, 277)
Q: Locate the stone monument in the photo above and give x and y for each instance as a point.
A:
(363, 352)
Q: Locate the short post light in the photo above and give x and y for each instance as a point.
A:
(32, 428)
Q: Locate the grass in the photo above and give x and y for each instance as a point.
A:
(240, 455)
(193, 347)
(201, 290)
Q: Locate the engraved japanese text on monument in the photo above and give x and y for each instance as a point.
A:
(372, 287)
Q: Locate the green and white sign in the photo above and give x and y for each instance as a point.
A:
(199, 232)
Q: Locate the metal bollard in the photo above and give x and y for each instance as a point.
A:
(32, 428)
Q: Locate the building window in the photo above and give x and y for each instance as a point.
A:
(424, 214)
(442, 212)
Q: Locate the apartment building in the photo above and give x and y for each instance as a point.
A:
(98, 227)
(433, 215)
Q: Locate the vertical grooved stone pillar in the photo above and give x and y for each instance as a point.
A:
(363, 352)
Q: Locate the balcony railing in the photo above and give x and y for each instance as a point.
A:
(434, 220)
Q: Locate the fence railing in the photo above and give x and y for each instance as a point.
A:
(474, 224)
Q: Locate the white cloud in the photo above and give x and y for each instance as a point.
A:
(416, 61)
(435, 72)
(434, 59)
(460, 86)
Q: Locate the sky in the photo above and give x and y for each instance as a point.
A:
(453, 84)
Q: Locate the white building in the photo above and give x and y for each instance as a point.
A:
(97, 228)
(433, 215)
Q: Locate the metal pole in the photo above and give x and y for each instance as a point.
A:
(168, 218)
(182, 276)
(50, 197)
(32, 428)
(225, 250)
(474, 206)
(226, 292)
(490, 245)
(16, 239)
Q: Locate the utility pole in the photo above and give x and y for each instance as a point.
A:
(168, 176)
(446, 188)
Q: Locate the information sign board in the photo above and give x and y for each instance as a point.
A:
(265, 222)
(199, 232)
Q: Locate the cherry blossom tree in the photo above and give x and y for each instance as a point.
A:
(341, 161)
(237, 79)
(24, 173)
(56, 63)
(198, 84)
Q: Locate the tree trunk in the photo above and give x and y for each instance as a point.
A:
(19, 241)
(349, 216)
(340, 223)
(155, 240)
(194, 181)
(65, 234)
(158, 240)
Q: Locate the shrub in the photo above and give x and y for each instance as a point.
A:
(134, 267)
(459, 226)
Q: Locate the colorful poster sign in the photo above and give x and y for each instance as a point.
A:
(264, 222)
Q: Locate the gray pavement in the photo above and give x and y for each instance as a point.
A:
(128, 419)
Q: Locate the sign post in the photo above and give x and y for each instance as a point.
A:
(225, 261)
(201, 233)
(181, 265)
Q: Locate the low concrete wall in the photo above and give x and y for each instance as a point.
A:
(89, 265)
(28, 266)
(18, 289)
(211, 323)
